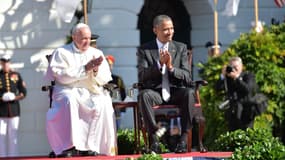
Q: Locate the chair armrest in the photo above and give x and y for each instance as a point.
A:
(110, 86)
(46, 88)
(200, 82)
(197, 83)
(137, 85)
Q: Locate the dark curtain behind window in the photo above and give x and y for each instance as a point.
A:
(173, 8)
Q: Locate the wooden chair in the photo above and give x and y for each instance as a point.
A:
(49, 88)
(162, 112)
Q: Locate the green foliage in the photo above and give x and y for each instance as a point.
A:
(150, 156)
(264, 55)
(163, 147)
(126, 142)
(252, 144)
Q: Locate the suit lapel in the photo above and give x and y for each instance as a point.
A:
(154, 51)
(172, 50)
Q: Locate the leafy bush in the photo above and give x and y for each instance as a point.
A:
(150, 156)
(126, 142)
(126, 145)
(262, 54)
(252, 144)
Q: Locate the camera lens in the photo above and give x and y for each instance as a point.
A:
(229, 69)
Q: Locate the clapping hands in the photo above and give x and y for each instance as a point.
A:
(165, 58)
(93, 64)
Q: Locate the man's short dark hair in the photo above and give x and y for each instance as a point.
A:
(159, 19)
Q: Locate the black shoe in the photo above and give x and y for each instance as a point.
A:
(66, 153)
(88, 153)
(181, 147)
(155, 148)
(51, 154)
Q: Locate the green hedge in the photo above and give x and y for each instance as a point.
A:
(264, 55)
(252, 144)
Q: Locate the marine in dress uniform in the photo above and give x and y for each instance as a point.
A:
(93, 41)
(12, 89)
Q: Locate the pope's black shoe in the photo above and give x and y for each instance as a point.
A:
(51, 154)
(67, 153)
(181, 147)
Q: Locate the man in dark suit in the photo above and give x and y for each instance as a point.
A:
(157, 59)
(239, 86)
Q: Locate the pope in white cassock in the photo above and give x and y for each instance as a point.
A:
(82, 115)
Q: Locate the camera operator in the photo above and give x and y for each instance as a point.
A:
(239, 87)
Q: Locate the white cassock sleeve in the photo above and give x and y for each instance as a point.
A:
(64, 67)
(104, 74)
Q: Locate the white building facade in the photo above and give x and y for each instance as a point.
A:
(31, 29)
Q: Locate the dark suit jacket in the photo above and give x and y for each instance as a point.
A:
(150, 75)
(240, 92)
(240, 89)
